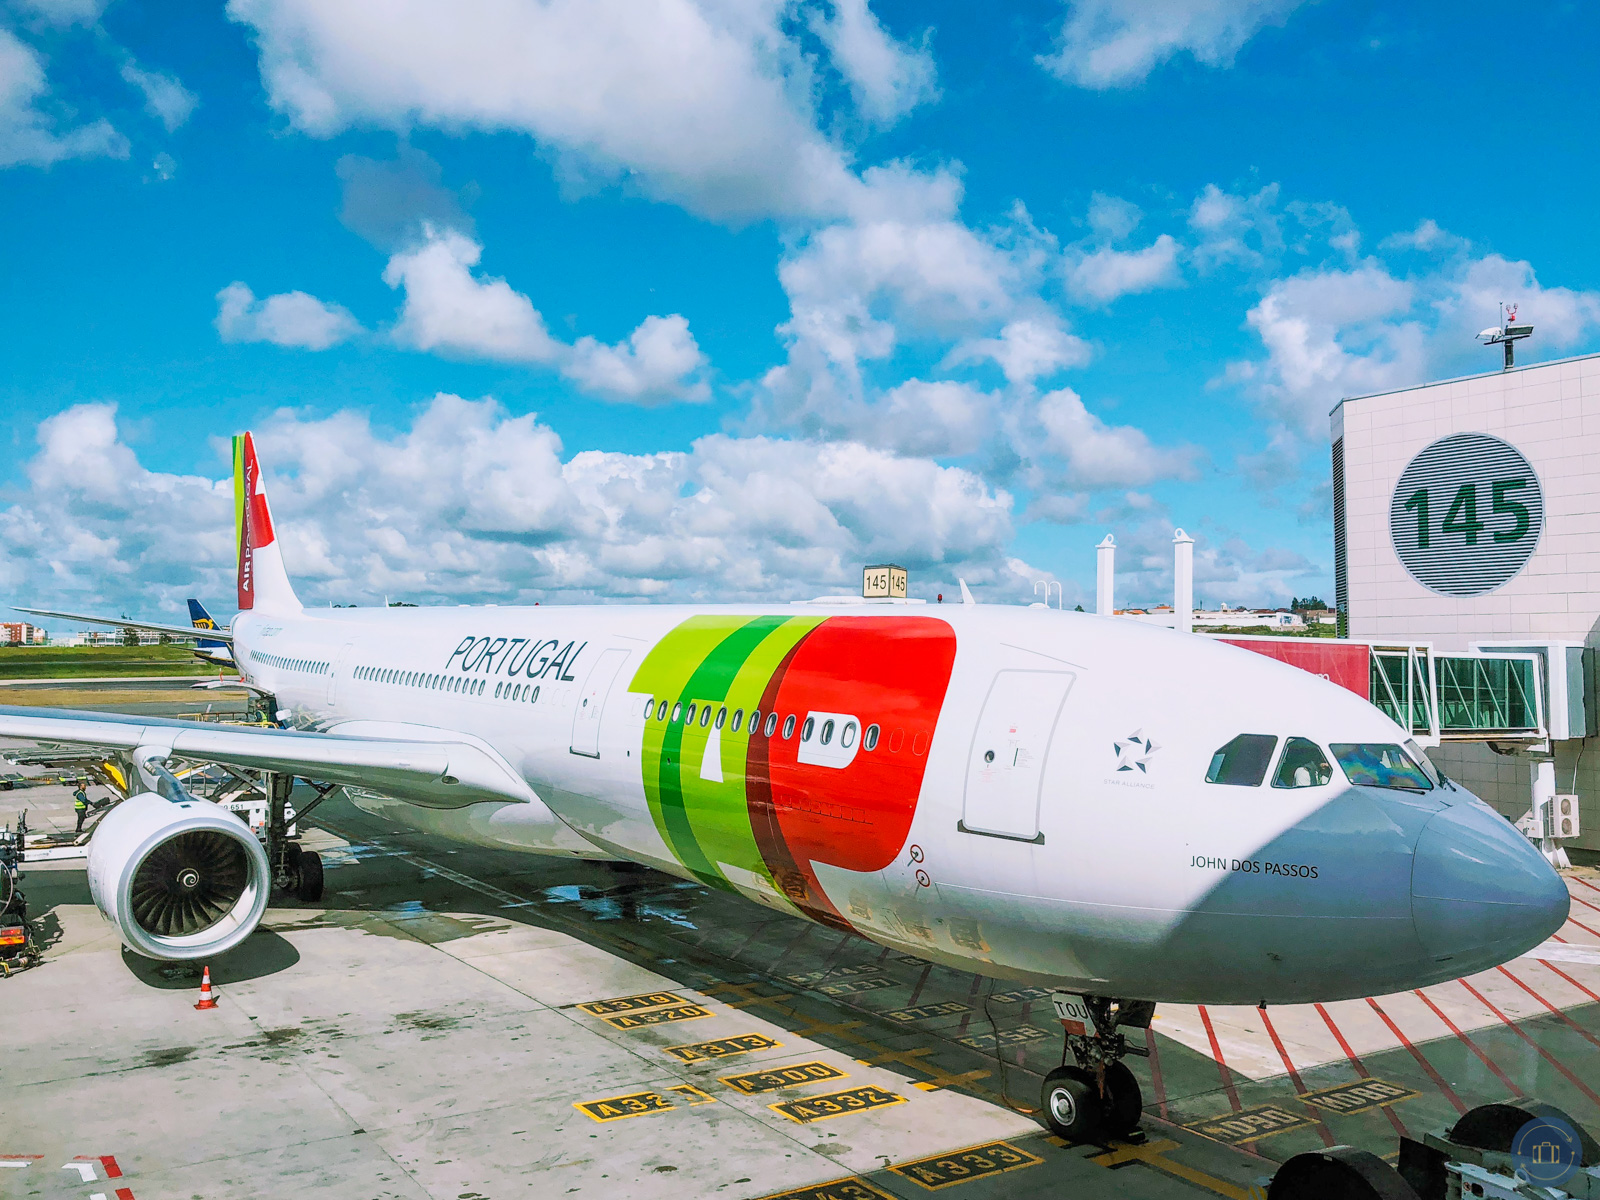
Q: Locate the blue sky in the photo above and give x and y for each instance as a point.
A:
(707, 299)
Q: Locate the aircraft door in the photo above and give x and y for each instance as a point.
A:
(1006, 767)
(340, 665)
(592, 702)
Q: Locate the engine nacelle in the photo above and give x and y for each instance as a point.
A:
(179, 880)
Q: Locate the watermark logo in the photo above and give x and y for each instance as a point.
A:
(1546, 1150)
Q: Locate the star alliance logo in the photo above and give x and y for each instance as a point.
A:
(1134, 752)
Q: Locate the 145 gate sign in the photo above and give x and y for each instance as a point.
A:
(1466, 514)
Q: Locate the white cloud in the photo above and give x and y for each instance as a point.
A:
(448, 309)
(1117, 43)
(287, 319)
(1103, 275)
(468, 503)
(888, 79)
(1097, 455)
(28, 134)
(706, 104)
(1235, 229)
(660, 360)
(1561, 317)
(166, 98)
(1026, 350)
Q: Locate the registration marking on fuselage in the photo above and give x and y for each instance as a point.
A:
(775, 1078)
(837, 1104)
(959, 1166)
(1250, 1124)
(620, 1004)
(657, 1016)
(726, 1047)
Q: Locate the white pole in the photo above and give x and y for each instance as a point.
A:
(1182, 581)
(1105, 567)
(1544, 798)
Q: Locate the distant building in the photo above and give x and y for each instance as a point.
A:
(20, 633)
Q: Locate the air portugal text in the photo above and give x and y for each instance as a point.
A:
(527, 657)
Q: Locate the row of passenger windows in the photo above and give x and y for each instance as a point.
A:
(308, 665)
(1243, 762)
(517, 691)
(421, 679)
(696, 713)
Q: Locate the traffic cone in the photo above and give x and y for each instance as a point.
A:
(206, 998)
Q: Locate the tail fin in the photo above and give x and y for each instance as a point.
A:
(263, 583)
(201, 619)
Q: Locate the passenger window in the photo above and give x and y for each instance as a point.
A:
(705, 716)
(827, 732)
(534, 698)
(677, 711)
(788, 726)
(870, 742)
(688, 716)
(738, 719)
(805, 730)
(847, 735)
(1303, 765)
(649, 707)
(772, 724)
(1243, 762)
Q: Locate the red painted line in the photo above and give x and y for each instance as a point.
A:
(1572, 920)
(917, 991)
(1585, 903)
(977, 982)
(1585, 882)
(1543, 1053)
(1222, 1066)
(109, 1162)
(1438, 1080)
(1361, 1070)
(1472, 1045)
(1573, 981)
(1294, 1075)
(1155, 1071)
(124, 1194)
(1581, 1030)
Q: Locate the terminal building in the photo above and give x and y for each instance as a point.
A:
(1467, 556)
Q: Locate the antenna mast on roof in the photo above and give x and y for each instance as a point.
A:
(1507, 333)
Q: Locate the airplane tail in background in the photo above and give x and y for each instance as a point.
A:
(263, 583)
(209, 649)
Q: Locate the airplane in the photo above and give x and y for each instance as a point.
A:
(207, 650)
(1123, 813)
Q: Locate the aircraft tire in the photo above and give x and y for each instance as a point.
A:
(308, 887)
(1124, 1102)
(1070, 1105)
(1338, 1173)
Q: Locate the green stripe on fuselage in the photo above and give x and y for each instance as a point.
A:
(723, 661)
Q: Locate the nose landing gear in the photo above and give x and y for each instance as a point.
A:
(1098, 1097)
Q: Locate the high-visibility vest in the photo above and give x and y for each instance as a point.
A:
(79, 803)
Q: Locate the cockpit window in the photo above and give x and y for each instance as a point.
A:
(1303, 765)
(1380, 764)
(1415, 753)
(1243, 762)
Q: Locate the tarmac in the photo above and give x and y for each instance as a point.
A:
(464, 1024)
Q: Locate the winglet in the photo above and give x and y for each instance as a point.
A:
(966, 595)
(263, 583)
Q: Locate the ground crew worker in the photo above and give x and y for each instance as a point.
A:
(80, 805)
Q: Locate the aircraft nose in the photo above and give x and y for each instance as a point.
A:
(1481, 893)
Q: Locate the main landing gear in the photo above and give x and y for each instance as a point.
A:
(295, 870)
(1099, 1097)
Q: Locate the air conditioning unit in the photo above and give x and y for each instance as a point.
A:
(1561, 817)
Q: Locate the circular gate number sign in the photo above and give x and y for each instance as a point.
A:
(1466, 514)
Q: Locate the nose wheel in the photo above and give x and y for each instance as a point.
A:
(1098, 1097)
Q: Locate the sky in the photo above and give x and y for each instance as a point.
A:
(721, 300)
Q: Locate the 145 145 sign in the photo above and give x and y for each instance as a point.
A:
(1466, 514)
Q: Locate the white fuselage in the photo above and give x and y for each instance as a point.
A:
(1057, 828)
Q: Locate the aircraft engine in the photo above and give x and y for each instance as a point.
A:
(179, 880)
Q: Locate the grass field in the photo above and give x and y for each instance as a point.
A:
(92, 662)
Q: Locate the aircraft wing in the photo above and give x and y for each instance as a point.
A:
(448, 773)
(185, 631)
